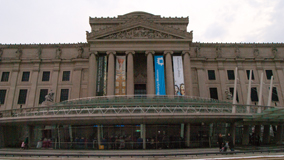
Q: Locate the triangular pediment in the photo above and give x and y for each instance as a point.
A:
(138, 29)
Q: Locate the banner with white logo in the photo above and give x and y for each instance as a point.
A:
(159, 75)
(120, 81)
(178, 75)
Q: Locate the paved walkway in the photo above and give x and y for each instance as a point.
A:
(181, 154)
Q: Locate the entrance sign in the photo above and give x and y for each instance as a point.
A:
(120, 82)
(178, 75)
(159, 75)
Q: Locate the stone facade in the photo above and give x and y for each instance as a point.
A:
(144, 35)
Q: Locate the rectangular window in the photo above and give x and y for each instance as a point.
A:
(252, 75)
(5, 76)
(232, 92)
(2, 96)
(22, 96)
(269, 73)
(42, 94)
(213, 93)
(253, 96)
(45, 76)
(26, 76)
(64, 95)
(231, 75)
(274, 95)
(211, 75)
(66, 76)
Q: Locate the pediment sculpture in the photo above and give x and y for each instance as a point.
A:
(140, 32)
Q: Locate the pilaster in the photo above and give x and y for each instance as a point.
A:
(187, 73)
(76, 82)
(14, 79)
(34, 80)
(92, 74)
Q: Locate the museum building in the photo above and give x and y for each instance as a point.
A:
(139, 82)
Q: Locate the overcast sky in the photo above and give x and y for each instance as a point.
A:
(66, 21)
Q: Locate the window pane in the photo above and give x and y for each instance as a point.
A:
(269, 73)
(26, 76)
(252, 75)
(5, 76)
(213, 93)
(66, 76)
(274, 94)
(211, 74)
(253, 96)
(43, 93)
(2, 96)
(22, 96)
(231, 75)
(232, 92)
(45, 76)
(64, 95)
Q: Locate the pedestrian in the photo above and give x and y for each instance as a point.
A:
(230, 142)
(220, 142)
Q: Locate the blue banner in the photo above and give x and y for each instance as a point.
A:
(159, 75)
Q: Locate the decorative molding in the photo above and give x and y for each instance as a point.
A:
(149, 52)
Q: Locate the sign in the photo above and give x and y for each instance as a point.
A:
(178, 75)
(100, 76)
(120, 81)
(159, 75)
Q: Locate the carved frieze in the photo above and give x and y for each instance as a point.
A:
(140, 33)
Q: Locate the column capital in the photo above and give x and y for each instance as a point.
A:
(170, 52)
(185, 52)
(110, 52)
(129, 52)
(149, 52)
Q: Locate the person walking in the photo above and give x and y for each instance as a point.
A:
(230, 142)
(220, 142)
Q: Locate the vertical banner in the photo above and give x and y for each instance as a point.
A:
(120, 83)
(100, 76)
(105, 76)
(178, 75)
(159, 75)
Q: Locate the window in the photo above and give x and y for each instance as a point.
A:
(5, 76)
(252, 75)
(66, 76)
(45, 76)
(231, 75)
(2, 96)
(22, 96)
(211, 74)
(26, 76)
(253, 96)
(64, 95)
(213, 93)
(42, 94)
(269, 73)
(232, 92)
(274, 95)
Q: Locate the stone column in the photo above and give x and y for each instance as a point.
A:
(280, 74)
(169, 73)
(187, 136)
(150, 73)
(110, 73)
(11, 94)
(187, 73)
(92, 74)
(203, 92)
(130, 73)
(223, 77)
(243, 79)
(34, 80)
(77, 74)
(245, 135)
(55, 75)
(266, 134)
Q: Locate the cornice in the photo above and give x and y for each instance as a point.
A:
(43, 45)
(241, 45)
